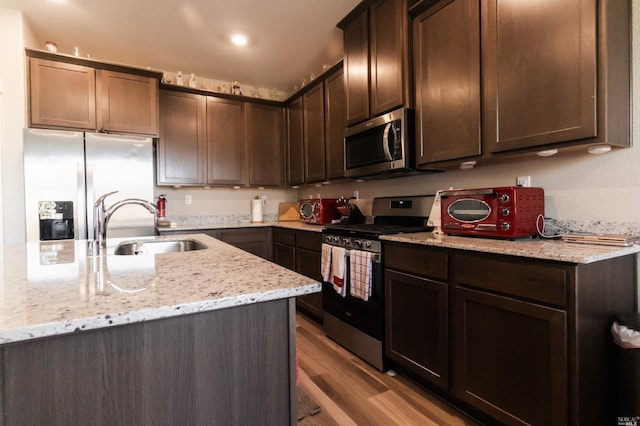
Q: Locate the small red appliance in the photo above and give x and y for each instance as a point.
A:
(319, 210)
(502, 212)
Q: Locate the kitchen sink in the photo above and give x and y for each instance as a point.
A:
(128, 248)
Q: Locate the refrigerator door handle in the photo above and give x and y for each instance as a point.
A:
(90, 196)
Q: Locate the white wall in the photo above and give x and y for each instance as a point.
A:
(581, 187)
(221, 201)
(14, 35)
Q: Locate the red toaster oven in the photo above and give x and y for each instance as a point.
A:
(319, 210)
(502, 212)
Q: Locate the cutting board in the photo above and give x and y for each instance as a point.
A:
(288, 212)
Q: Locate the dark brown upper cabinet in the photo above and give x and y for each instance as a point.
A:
(335, 122)
(557, 74)
(61, 95)
(265, 136)
(553, 76)
(127, 103)
(295, 141)
(207, 140)
(226, 143)
(376, 58)
(181, 150)
(73, 93)
(316, 124)
(314, 137)
(446, 58)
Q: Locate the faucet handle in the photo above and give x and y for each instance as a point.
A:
(100, 200)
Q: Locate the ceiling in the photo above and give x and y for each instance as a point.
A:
(288, 39)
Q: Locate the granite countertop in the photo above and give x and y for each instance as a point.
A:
(529, 248)
(53, 288)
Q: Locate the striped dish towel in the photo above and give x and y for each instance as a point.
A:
(338, 270)
(326, 262)
(360, 269)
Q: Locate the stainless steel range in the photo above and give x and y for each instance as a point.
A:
(356, 324)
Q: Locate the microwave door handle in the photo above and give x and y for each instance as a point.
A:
(385, 141)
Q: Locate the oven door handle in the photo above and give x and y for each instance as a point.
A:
(376, 258)
(385, 142)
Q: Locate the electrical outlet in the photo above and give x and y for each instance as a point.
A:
(523, 181)
(187, 199)
(264, 201)
(356, 194)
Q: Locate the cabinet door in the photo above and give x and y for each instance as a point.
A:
(182, 146)
(313, 106)
(265, 130)
(308, 264)
(417, 325)
(447, 120)
(225, 142)
(127, 103)
(539, 72)
(335, 122)
(511, 358)
(61, 95)
(284, 256)
(389, 55)
(295, 138)
(356, 68)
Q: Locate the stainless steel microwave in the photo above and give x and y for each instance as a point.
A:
(381, 145)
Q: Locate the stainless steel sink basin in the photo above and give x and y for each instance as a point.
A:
(129, 248)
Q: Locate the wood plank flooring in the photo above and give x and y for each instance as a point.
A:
(351, 392)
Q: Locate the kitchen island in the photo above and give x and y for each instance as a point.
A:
(200, 337)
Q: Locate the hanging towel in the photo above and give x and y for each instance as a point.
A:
(326, 263)
(338, 270)
(360, 271)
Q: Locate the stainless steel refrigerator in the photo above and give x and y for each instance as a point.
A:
(66, 171)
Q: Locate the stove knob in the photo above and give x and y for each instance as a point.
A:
(346, 241)
(335, 239)
(505, 211)
(505, 226)
(367, 244)
(358, 243)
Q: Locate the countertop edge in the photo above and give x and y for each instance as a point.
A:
(148, 314)
(554, 250)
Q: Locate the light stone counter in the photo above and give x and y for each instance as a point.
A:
(530, 248)
(53, 288)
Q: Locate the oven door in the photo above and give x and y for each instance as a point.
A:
(368, 316)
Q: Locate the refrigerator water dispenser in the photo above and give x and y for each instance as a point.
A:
(56, 220)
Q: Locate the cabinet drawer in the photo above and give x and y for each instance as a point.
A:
(420, 260)
(232, 236)
(284, 236)
(535, 281)
(309, 240)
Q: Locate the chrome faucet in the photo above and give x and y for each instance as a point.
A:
(101, 216)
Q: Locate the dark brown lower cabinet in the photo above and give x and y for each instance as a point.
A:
(256, 240)
(529, 340)
(308, 264)
(417, 327)
(301, 251)
(511, 358)
(226, 367)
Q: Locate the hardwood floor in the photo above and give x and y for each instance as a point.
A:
(351, 392)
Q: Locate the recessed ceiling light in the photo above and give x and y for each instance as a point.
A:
(239, 39)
